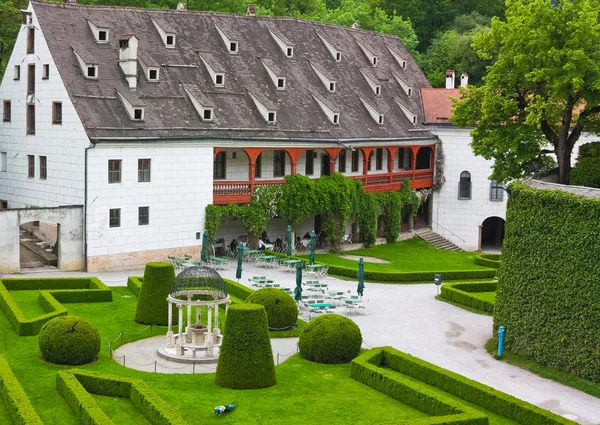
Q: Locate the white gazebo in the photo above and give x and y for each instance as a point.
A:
(196, 288)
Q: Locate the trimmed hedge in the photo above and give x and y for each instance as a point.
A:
(488, 260)
(587, 170)
(69, 340)
(454, 384)
(548, 289)
(152, 305)
(77, 385)
(400, 277)
(53, 292)
(15, 399)
(330, 338)
(460, 293)
(134, 283)
(282, 310)
(246, 358)
(238, 290)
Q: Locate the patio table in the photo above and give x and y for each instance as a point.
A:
(352, 300)
(321, 305)
(251, 254)
(262, 280)
(180, 258)
(335, 293)
(267, 260)
(283, 288)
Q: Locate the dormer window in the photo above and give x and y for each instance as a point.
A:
(214, 68)
(335, 53)
(336, 118)
(281, 83)
(271, 117)
(150, 67)
(219, 80)
(100, 33)
(332, 86)
(265, 108)
(380, 119)
(201, 102)
(411, 117)
(332, 116)
(233, 47)
(231, 43)
(124, 44)
(408, 90)
(329, 83)
(207, 115)
(375, 114)
(401, 61)
(87, 63)
(374, 60)
(289, 52)
(378, 90)
(92, 71)
(26, 14)
(371, 80)
(153, 74)
(170, 40)
(275, 74)
(286, 46)
(167, 35)
(133, 105)
(138, 114)
(370, 55)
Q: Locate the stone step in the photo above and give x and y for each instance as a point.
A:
(438, 241)
(46, 258)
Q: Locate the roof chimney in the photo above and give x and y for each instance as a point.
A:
(250, 10)
(354, 26)
(450, 79)
(464, 79)
(128, 45)
(71, 1)
(181, 6)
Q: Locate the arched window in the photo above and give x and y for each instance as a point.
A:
(464, 185)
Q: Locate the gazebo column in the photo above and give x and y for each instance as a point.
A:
(170, 342)
(189, 319)
(198, 315)
(216, 331)
(178, 346)
(210, 343)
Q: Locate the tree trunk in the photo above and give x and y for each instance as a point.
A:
(563, 156)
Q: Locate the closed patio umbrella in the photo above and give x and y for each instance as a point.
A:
(312, 245)
(240, 257)
(361, 277)
(290, 242)
(203, 254)
(298, 289)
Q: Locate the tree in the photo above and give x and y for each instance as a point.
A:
(9, 28)
(542, 90)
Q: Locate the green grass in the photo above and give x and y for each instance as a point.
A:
(4, 417)
(412, 255)
(121, 410)
(28, 303)
(290, 333)
(485, 296)
(560, 376)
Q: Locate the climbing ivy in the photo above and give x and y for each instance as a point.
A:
(391, 207)
(366, 208)
(297, 199)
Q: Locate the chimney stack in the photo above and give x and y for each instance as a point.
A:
(128, 45)
(181, 6)
(450, 79)
(250, 10)
(464, 79)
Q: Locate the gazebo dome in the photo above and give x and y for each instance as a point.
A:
(199, 280)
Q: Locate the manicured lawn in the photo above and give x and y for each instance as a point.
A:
(120, 410)
(28, 303)
(4, 418)
(412, 255)
(485, 296)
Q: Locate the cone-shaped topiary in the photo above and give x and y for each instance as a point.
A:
(246, 358)
(282, 311)
(152, 305)
(69, 340)
(330, 338)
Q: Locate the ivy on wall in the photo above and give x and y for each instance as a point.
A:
(548, 295)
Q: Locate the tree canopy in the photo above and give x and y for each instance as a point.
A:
(542, 90)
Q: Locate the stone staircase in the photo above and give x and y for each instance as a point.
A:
(35, 253)
(436, 240)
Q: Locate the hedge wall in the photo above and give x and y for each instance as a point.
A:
(152, 305)
(15, 399)
(53, 292)
(449, 382)
(460, 293)
(488, 260)
(400, 277)
(76, 386)
(549, 282)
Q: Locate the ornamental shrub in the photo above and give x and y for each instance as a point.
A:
(547, 296)
(586, 173)
(330, 338)
(282, 311)
(69, 340)
(152, 305)
(246, 358)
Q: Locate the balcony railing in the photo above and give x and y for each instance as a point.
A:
(239, 192)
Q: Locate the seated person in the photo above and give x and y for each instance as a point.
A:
(306, 236)
(233, 246)
(261, 245)
(264, 237)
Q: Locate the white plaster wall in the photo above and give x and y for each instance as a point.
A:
(62, 144)
(179, 190)
(459, 220)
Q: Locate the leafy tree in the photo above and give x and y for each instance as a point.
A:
(9, 28)
(542, 89)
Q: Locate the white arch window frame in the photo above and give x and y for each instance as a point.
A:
(464, 186)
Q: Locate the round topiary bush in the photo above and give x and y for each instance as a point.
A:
(330, 338)
(246, 358)
(69, 340)
(152, 305)
(282, 311)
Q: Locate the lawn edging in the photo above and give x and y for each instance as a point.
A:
(15, 399)
(488, 260)
(53, 292)
(374, 366)
(77, 385)
(460, 293)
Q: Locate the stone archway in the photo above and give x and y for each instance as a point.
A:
(492, 234)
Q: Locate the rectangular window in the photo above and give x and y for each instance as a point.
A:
(114, 217)
(220, 166)
(56, 112)
(30, 119)
(342, 162)
(404, 155)
(258, 168)
(30, 39)
(3, 161)
(143, 216)
(278, 163)
(31, 79)
(43, 167)
(30, 166)
(45, 72)
(114, 171)
(143, 170)
(6, 112)
(17, 73)
(379, 159)
(3, 205)
(496, 191)
(310, 163)
(355, 157)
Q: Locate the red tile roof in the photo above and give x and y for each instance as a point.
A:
(437, 105)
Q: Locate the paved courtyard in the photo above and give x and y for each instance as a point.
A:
(409, 318)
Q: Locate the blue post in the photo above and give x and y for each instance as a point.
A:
(500, 340)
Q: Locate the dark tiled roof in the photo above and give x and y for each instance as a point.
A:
(170, 113)
(438, 105)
